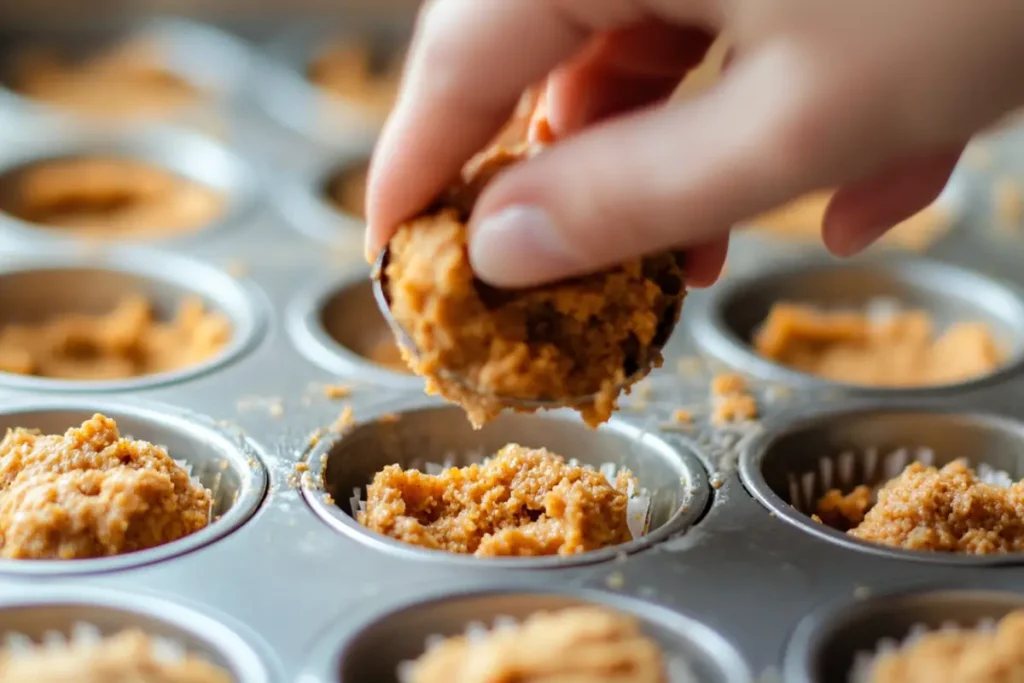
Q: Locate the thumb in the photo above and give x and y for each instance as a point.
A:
(668, 177)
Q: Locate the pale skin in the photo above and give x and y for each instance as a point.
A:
(876, 97)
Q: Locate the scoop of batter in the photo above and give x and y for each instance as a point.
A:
(127, 657)
(521, 502)
(925, 508)
(90, 493)
(573, 645)
(977, 656)
(479, 346)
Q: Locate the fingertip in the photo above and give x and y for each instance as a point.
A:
(704, 263)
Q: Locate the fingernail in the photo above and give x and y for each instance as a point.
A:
(520, 246)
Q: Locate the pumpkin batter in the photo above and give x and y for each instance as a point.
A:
(521, 502)
(126, 342)
(347, 69)
(108, 197)
(128, 657)
(802, 219)
(958, 656)
(121, 83)
(573, 644)
(943, 510)
(479, 346)
(90, 493)
(346, 189)
(900, 350)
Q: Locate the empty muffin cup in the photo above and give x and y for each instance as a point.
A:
(48, 620)
(338, 326)
(842, 642)
(379, 646)
(671, 486)
(726, 322)
(120, 320)
(141, 186)
(799, 459)
(161, 68)
(222, 462)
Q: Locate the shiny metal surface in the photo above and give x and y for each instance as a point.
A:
(286, 582)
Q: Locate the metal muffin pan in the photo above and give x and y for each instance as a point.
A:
(191, 155)
(313, 589)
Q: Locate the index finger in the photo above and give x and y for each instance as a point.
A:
(469, 64)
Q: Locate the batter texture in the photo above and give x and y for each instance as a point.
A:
(127, 342)
(944, 510)
(128, 657)
(521, 502)
(897, 350)
(578, 342)
(108, 197)
(349, 69)
(590, 644)
(90, 493)
(974, 656)
(123, 82)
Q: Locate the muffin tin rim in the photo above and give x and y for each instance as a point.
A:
(242, 452)
(800, 417)
(681, 522)
(247, 312)
(713, 336)
(812, 631)
(147, 145)
(332, 647)
(235, 641)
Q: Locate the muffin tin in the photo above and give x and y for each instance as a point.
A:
(284, 586)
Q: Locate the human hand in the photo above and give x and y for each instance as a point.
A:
(875, 97)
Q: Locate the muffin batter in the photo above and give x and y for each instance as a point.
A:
(346, 189)
(348, 69)
(521, 502)
(802, 220)
(121, 83)
(960, 656)
(90, 493)
(128, 657)
(478, 346)
(592, 644)
(108, 197)
(127, 342)
(943, 510)
(899, 350)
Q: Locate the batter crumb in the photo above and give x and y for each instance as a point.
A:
(346, 189)
(336, 391)
(108, 197)
(128, 657)
(574, 343)
(521, 502)
(90, 493)
(683, 416)
(344, 420)
(944, 510)
(573, 644)
(897, 350)
(730, 400)
(958, 656)
(127, 342)
(354, 71)
(728, 384)
(802, 220)
(123, 82)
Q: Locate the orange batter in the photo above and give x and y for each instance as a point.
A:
(521, 502)
(898, 351)
(346, 69)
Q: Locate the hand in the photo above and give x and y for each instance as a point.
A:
(876, 97)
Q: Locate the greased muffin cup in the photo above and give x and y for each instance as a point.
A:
(303, 405)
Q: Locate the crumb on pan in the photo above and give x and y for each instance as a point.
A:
(91, 493)
(521, 502)
(897, 349)
(344, 421)
(731, 400)
(573, 644)
(336, 391)
(129, 341)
